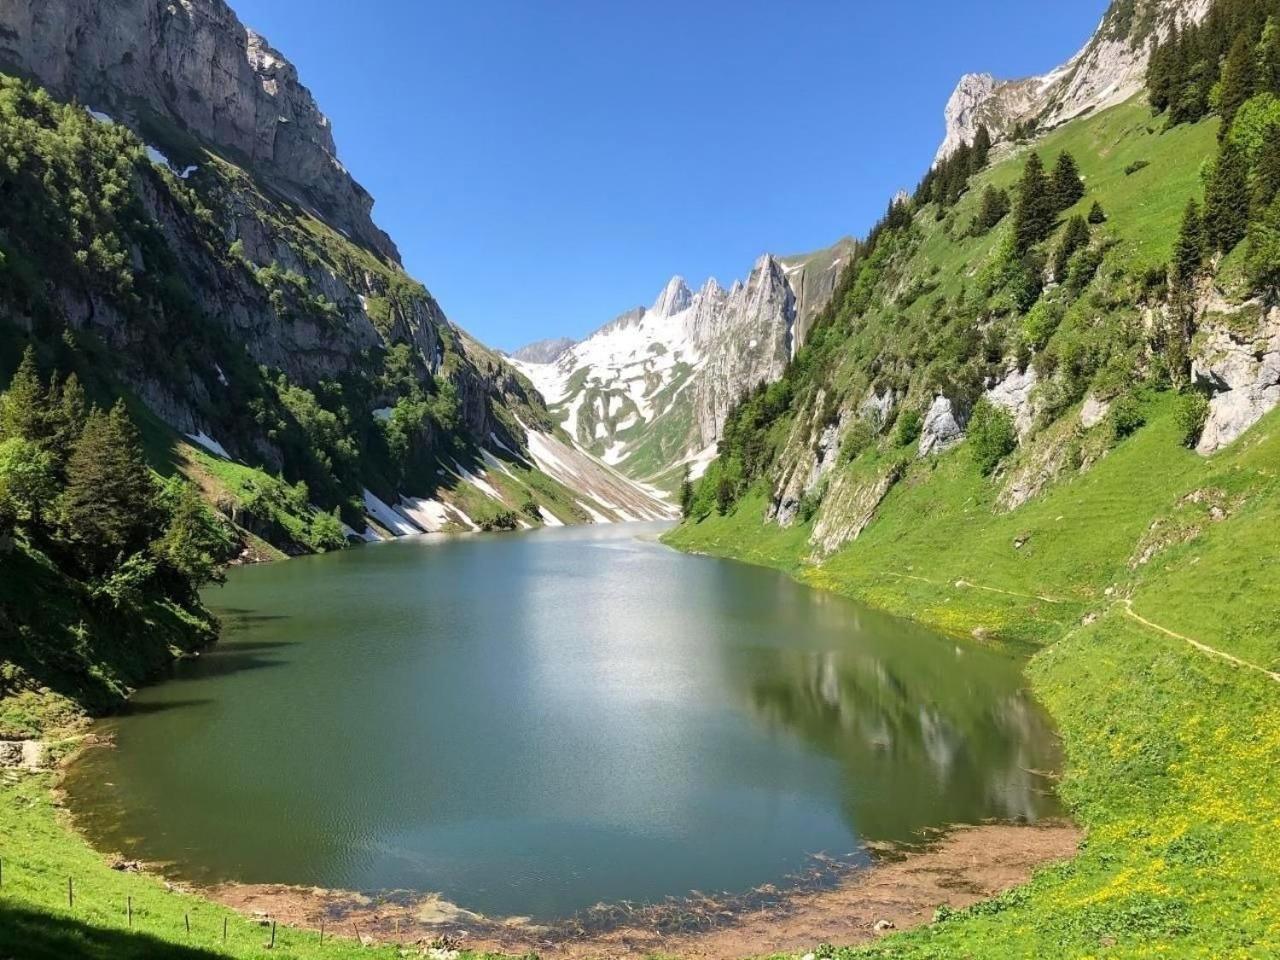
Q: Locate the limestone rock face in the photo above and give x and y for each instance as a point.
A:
(191, 64)
(1242, 371)
(650, 391)
(1013, 394)
(943, 427)
(1108, 70)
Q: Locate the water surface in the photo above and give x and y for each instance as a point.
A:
(530, 724)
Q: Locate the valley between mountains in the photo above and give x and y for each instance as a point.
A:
(1013, 456)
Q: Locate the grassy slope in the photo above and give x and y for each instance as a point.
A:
(1171, 751)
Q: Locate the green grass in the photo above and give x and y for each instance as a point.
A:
(1171, 752)
(39, 855)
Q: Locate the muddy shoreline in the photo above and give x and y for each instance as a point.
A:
(901, 889)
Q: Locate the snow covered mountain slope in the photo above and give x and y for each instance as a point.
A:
(648, 393)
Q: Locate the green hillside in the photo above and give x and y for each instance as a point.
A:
(1140, 575)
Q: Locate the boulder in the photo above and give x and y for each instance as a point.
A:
(943, 427)
(1241, 370)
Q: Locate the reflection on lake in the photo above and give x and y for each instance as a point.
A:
(531, 724)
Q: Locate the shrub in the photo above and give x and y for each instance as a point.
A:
(992, 435)
(1127, 417)
(1134, 167)
(909, 426)
(860, 436)
(325, 532)
(1191, 415)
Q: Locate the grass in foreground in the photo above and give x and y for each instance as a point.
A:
(1171, 751)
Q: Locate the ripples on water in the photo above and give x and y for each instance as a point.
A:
(532, 724)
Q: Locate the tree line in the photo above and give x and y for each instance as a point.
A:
(76, 486)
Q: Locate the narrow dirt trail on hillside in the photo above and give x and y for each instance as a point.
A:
(1128, 609)
(1202, 647)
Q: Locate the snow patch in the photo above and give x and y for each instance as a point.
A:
(394, 521)
(210, 444)
(477, 481)
(549, 518)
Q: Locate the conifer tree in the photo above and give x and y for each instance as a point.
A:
(994, 208)
(1237, 83)
(1034, 211)
(23, 406)
(1262, 252)
(1075, 237)
(66, 416)
(1268, 78)
(106, 506)
(981, 153)
(1188, 252)
(1226, 205)
(1266, 172)
(1067, 187)
(1096, 214)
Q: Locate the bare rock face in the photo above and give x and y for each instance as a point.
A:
(543, 351)
(1108, 70)
(849, 508)
(650, 391)
(1241, 368)
(749, 343)
(1014, 394)
(943, 427)
(191, 64)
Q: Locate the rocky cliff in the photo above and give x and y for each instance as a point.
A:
(192, 65)
(225, 270)
(649, 391)
(1107, 71)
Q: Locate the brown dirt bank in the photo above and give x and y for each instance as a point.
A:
(904, 888)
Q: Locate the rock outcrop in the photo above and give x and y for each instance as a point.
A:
(1015, 394)
(1108, 70)
(1239, 364)
(943, 427)
(650, 391)
(190, 67)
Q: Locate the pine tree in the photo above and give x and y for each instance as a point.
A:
(1226, 205)
(1262, 253)
(1268, 77)
(1237, 83)
(66, 416)
(981, 149)
(1097, 215)
(1075, 237)
(1266, 172)
(1160, 75)
(23, 406)
(1034, 212)
(994, 208)
(1067, 187)
(1188, 252)
(686, 496)
(106, 508)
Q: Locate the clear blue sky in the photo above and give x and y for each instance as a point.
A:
(546, 164)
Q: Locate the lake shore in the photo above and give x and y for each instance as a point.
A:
(901, 890)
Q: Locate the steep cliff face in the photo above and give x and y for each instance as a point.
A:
(225, 270)
(1107, 71)
(192, 64)
(649, 391)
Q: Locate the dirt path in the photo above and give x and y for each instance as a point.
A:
(1202, 647)
(900, 891)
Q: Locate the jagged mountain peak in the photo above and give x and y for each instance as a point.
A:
(1108, 70)
(676, 297)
